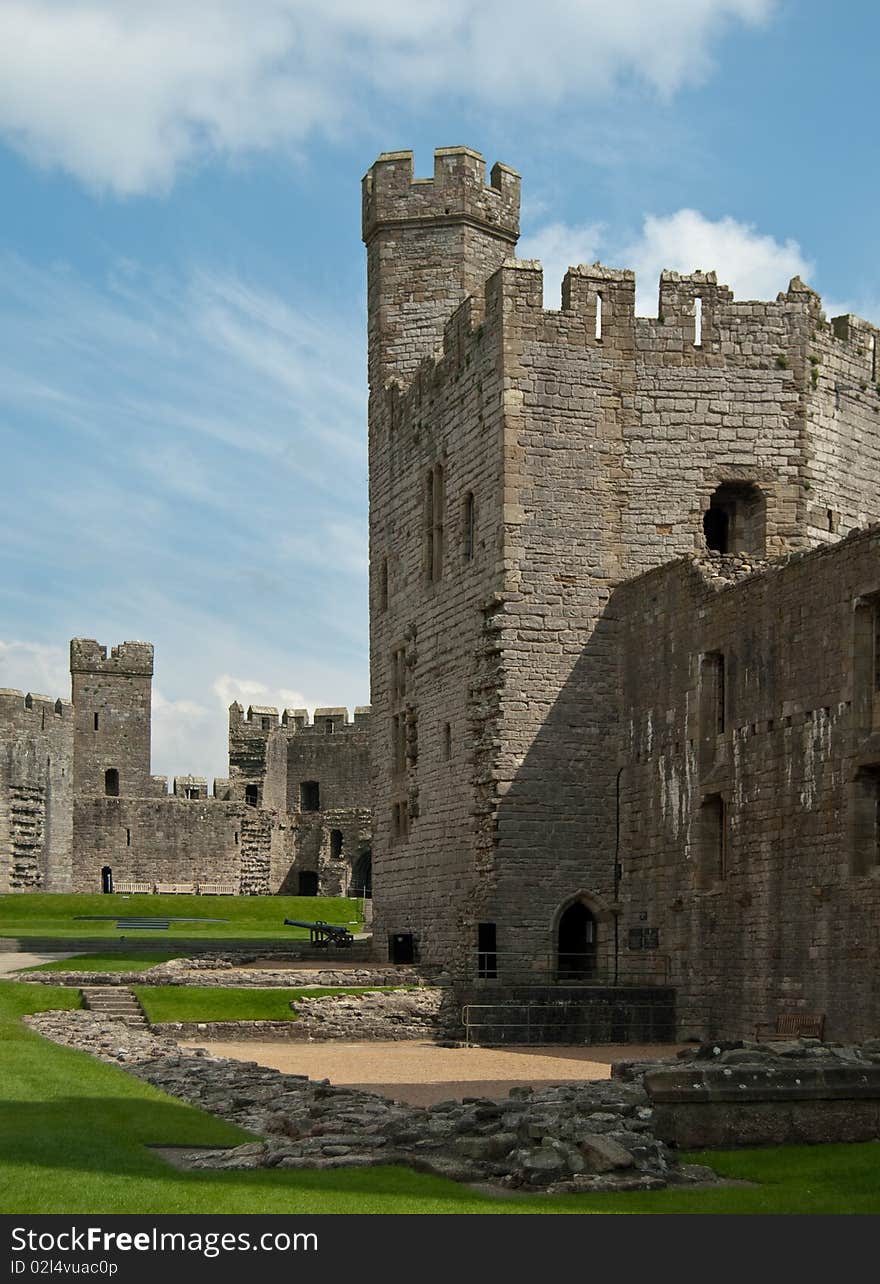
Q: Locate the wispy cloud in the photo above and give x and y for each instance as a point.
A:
(187, 466)
(125, 95)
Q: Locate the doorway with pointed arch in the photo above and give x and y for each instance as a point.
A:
(577, 941)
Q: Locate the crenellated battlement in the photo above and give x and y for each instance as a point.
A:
(264, 719)
(129, 658)
(19, 705)
(458, 192)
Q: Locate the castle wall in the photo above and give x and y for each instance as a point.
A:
(772, 904)
(169, 840)
(36, 792)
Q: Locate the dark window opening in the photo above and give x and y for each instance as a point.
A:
(307, 883)
(128, 837)
(252, 795)
(111, 782)
(866, 821)
(713, 703)
(713, 835)
(447, 740)
(383, 585)
(362, 876)
(106, 880)
(735, 521)
(401, 947)
(433, 522)
(576, 943)
(468, 527)
(399, 820)
(398, 744)
(96, 722)
(309, 796)
(398, 674)
(335, 844)
(267, 723)
(329, 727)
(487, 944)
(235, 838)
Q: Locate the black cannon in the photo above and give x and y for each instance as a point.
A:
(323, 934)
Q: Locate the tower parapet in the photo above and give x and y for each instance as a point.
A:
(431, 243)
(393, 196)
(88, 656)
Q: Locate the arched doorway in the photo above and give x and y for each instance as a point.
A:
(362, 876)
(106, 880)
(576, 944)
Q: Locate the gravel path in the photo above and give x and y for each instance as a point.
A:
(422, 1073)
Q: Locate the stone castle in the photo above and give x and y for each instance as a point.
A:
(624, 640)
(625, 611)
(79, 807)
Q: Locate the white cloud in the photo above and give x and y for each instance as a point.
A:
(753, 264)
(249, 691)
(124, 94)
(33, 666)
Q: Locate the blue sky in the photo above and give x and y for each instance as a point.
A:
(182, 358)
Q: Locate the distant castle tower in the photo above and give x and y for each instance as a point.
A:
(112, 703)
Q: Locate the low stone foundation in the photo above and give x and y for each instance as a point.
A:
(759, 1105)
(352, 1018)
(223, 972)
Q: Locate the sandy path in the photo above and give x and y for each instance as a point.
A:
(422, 1073)
(14, 961)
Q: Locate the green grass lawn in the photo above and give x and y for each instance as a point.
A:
(219, 1003)
(134, 962)
(245, 917)
(76, 1134)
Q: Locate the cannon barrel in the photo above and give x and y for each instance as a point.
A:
(334, 929)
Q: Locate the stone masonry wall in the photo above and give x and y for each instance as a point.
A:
(36, 792)
(778, 912)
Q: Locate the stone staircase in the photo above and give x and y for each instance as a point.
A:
(115, 1001)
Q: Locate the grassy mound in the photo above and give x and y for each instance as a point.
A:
(243, 917)
(219, 1003)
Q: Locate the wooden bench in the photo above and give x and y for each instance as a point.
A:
(217, 889)
(792, 1025)
(129, 887)
(179, 889)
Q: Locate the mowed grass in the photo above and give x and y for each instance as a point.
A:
(219, 1003)
(76, 1134)
(244, 917)
(106, 962)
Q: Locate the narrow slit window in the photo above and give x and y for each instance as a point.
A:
(335, 844)
(447, 741)
(383, 585)
(598, 316)
(96, 722)
(468, 526)
(698, 322)
(128, 837)
(111, 782)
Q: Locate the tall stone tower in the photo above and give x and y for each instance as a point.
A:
(524, 464)
(112, 706)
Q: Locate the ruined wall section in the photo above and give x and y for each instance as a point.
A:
(761, 907)
(112, 701)
(177, 840)
(36, 792)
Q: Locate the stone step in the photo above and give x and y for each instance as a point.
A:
(116, 1002)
